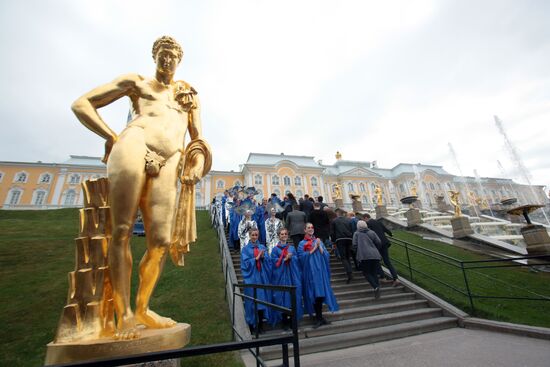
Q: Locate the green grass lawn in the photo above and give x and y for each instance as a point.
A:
(501, 282)
(36, 253)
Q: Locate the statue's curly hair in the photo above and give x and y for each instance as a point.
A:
(168, 42)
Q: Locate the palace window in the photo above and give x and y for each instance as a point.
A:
(15, 197)
(21, 177)
(365, 199)
(438, 186)
(362, 187)
(286, 181)
(74, 179)
(401, 187)
(39, 197)
(299, 193)
(237, 183)
(70, 197)
(298, 181)
(1, 176)
(258, 180)
(316, 194)
(198, 185)
(45, 178)
(220, 184)
(275, 180)
(350, 187)
(314, 181)
(278, 192)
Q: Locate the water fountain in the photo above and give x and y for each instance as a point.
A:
(536, 236)
(514, 155)
(413, 214)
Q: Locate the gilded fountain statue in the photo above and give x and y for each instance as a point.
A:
(144, 164)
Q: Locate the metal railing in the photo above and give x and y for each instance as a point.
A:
(466, 269)
(285, 339)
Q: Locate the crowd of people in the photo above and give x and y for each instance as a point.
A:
(289, 242)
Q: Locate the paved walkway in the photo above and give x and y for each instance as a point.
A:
(449, 348)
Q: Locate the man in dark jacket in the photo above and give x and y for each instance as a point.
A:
(307, 207)
(341, 234)
(380, 229)
(295, 223)
(321, 223)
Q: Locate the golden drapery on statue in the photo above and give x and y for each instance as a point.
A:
(144, 164)
(185, 227)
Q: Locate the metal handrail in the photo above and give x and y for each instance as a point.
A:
(465, 266)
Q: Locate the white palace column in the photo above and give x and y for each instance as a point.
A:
(321, 184)
(208, 188)
(59, 186)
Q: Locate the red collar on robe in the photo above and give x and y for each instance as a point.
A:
(256, 253)
(308, 246)
(284, 252)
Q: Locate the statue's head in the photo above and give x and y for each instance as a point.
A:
(166, 49)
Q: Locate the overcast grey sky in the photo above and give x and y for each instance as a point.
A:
(392, 81)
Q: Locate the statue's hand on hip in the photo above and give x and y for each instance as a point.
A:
(108, 147)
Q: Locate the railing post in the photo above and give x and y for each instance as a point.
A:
(285, 355)
(257, 324)
(468, 288)
(233, 307)
(294, 315)
(409, 262)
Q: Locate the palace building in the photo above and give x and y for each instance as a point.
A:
(38, 185)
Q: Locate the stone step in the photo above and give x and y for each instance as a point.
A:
(372, 309)
(392, 295)
(361, 337)
(368, 322)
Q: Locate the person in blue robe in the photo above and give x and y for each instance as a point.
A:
(224, 201)
(256, 269)
(316, 288)
(259, 218)
(234, 220)
(285, 271)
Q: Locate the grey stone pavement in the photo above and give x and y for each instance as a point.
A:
(450, 347)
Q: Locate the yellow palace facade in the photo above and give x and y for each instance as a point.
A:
(38, 185)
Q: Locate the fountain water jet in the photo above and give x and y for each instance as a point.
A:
(518, 161)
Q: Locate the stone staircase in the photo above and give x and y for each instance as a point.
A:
(361, 319)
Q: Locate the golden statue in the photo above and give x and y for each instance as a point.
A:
(413, 191)
(338, 155)
(337, 191)
(144, 164)
(454, 200)
(378, 192)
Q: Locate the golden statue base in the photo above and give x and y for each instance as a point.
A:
(151, 340)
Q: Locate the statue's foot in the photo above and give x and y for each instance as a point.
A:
(153, 320)
(127, 329)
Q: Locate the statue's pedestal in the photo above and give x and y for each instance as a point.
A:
(537, 240)
(339, 203)
(413, 217)
(461, 227)
(151, 340)
(381, 211)
(356, 206)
